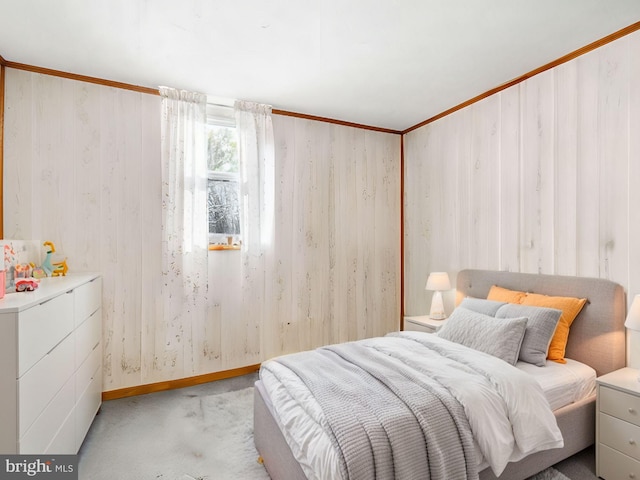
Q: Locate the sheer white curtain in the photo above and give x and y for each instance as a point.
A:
(257, 187)
(184, 221)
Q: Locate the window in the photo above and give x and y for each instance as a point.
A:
(223, 198)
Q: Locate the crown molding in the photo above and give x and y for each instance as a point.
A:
(334, 121)
(81, 78)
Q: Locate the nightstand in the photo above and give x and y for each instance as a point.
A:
(618, 425)
(423, 323)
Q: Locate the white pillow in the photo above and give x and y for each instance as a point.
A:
(501, 338)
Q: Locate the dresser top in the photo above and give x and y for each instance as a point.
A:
(49, 288)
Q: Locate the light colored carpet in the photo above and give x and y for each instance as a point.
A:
(197, 433)
(549, 474)
(180, 435)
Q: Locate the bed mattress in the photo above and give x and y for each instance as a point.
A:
(563, 384)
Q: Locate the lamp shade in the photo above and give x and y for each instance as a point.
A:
(633, 317)
(438, 281)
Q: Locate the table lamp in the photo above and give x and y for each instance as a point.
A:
(439, 281)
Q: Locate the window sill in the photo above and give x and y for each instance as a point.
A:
(224, 247)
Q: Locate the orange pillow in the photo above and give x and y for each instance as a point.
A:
(500, 294)
(570, 307)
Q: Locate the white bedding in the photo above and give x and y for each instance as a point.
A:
(507, 409)
(563, 384)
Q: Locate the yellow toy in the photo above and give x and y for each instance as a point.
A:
(60, 269)
(53, 269)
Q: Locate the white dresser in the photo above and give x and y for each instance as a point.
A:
(51, 365)
(618, 425)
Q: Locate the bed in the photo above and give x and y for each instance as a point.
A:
(597, 339)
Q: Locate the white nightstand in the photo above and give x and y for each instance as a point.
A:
(618, 425)
(423, 323)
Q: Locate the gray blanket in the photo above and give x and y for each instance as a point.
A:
(386, 422)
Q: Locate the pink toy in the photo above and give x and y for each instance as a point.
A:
(26, 284)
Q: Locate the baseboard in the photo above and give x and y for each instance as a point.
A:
(178, 383)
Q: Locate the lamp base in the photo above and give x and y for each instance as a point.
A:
(437, 307)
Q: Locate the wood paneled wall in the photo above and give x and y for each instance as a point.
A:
(540, 177)
(337, 273)
(82, 168)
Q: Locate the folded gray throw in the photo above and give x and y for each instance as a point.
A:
(385, 421)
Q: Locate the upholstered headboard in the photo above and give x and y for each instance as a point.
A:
(597, 335)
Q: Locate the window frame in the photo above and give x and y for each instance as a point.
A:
(222, 116)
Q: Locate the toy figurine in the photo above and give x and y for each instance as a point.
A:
(53, 269)
(26, 284)
(46, 265)
(38, 272)
(60, 269)
(22, 271)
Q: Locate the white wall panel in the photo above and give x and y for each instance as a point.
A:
(152, 347)
(483, 182)
(337, 274)
(555, 191)
(279, 333)
(588, 167)
(508, 170)
(537, 173)
(566, 167)
(415, 250)
(342, 300)
(18, 145)
(633, 159)
(613, 154)
(633, 282)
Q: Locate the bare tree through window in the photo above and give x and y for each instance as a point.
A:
(223, 192)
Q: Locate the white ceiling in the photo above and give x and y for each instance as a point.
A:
(389, 64)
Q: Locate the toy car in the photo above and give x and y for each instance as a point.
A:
(26, 284)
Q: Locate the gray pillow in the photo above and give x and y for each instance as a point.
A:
(498, 337)
(540, 328)
(480, 305)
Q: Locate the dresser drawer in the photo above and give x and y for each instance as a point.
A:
(64, 441)
(87, 299)
(619, 404)
(621, 435)
(87, 406)
(87, 371)
(41, 328)
(88, 335)
(51, 427)
(613, 465)
(40, 384)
